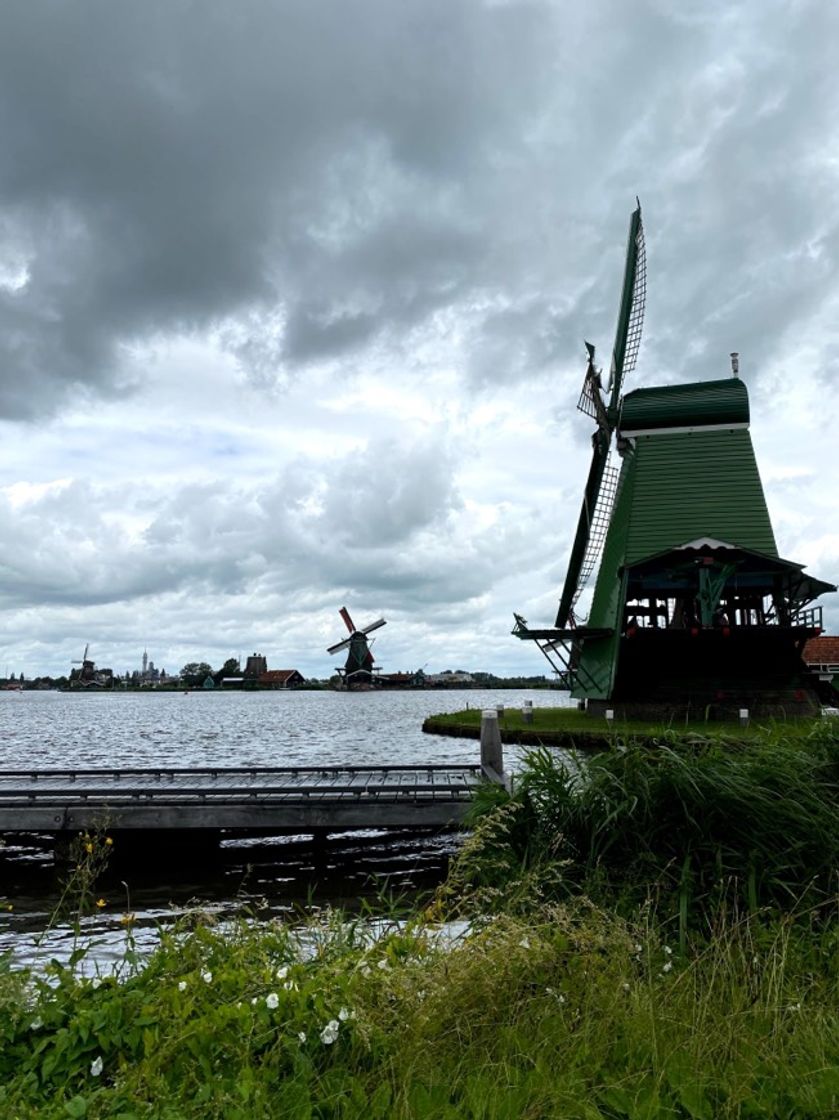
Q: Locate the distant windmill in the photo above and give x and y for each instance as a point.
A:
(358, 670)
(86, 673)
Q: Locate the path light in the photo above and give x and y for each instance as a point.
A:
(744, 717)
(610, 715)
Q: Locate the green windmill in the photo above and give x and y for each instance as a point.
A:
(692, 609)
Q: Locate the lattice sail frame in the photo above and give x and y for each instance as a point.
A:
(635, 326)
(599, 527)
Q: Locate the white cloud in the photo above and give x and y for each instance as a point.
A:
(292, 311)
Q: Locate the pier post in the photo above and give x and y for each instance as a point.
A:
(527, 711)
(492, 752)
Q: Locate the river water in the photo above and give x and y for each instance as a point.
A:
(274, 876)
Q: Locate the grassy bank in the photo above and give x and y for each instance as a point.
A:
(568, 727)
(656, 938)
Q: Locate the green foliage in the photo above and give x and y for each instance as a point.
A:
(569, 1012)
(689, 822)
(195, 673)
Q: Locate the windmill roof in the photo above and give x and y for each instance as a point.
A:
(758, 570)
(699, 404)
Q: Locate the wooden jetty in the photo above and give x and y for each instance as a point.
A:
(246, 799)
(263, 799)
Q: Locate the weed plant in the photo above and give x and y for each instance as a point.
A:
(571, 1012)
(689, 822)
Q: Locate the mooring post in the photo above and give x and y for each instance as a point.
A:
(492, 752)
(527, 711)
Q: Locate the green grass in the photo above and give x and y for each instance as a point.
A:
(569, 1013)
(690, 824)
(571, 727)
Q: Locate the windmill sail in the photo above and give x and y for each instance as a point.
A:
(627, 342)
(631, 314)
(599, 528)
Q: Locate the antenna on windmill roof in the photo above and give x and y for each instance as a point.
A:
(735, 363)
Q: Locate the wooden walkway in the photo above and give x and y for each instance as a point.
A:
(247, 799)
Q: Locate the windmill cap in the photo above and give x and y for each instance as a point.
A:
(679, 406)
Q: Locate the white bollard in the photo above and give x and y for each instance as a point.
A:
(492, 752)
(527, 711)
(744, 717)
(610, 714)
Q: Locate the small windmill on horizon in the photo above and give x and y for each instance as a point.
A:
(357, 671)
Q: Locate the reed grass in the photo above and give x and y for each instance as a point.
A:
(688, 822)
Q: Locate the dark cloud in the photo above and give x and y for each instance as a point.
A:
(173, 166)
(428, 196)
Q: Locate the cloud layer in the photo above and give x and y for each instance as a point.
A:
(292, 301)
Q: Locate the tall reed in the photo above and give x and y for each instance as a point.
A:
(687, 821)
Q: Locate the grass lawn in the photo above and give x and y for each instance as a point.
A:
(570, 727)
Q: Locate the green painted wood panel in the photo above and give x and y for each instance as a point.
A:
(681, 406)
(698, 484)
(674, 488)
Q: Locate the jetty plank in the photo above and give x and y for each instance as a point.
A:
(262, 799)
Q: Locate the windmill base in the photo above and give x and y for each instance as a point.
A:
(800, 703)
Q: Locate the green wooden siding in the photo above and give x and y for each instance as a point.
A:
(682, 406)
(697, 484)
(673, 488)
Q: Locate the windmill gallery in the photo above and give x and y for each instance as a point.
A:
(693, 610)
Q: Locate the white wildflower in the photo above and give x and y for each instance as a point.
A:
(625, 986)
(639, 948)
(667, 966)
(96, 1066)
(301, 1035)
(330, 1032)
(207, 977)
(255, 1000)
(182, 985)
(525, 944)
(668, 951)
(272, 1001)
(96, 982)
(384, 964)
(367, 970)
(36, 1024)
(282, 972)
(344, 1015)
(794, 1007)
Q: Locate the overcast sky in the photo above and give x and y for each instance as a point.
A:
(293, 298)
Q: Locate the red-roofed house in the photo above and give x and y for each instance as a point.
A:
(280, 678)
(822, 656)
